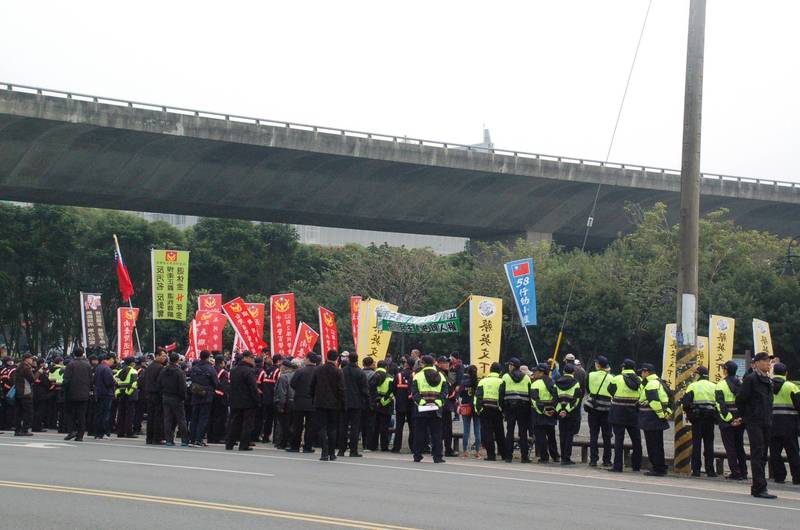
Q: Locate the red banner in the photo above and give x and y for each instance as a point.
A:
(304, 341)
(257, 314)
(244, 324)
(191, 353)
(208, 329)
(354, 301)
(329, 336)
(209, 302)
(282, 323)
(126, 323)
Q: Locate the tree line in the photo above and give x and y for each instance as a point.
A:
(623, 295)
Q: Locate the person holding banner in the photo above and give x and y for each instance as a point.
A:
(429, 390)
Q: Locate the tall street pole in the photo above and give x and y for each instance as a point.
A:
(689, 227)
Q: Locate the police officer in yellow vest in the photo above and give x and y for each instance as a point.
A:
(383, 391)
(544, 417)
(488, 408)
(654, 413)
(597, 404)
(700, 405)
(56, 378)
(785, 425)
(126, 394)
(515, 392)
(568, 409)
(731, 427)
(429, 390)
(624, 415)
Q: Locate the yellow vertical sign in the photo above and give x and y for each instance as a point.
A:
(721, 330)
(668, 371)
(762, 338)
(372, 342)
(170, 283)
(702, 351)
(485, 327)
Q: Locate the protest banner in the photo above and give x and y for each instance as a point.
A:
(762, 338)
(304, 341)
(442, 322)
(191, 352)
(354, 301)
(329, 335)
(721, 331)
(522, 281)
(246, 327)
(669, 372)
(92, 324)
(485, 327)
(209, 325)
(126, 323)
(256, 311)
(209, 302)
(282, 323)
(170, 283)
(372, 342)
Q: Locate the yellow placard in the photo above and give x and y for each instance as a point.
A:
(372, 342)
(762, 338)
(669, 368)
(170, 283)
(721, 330)
(485, 327)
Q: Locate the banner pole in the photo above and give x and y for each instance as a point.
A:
(153, 295)
(535, 358)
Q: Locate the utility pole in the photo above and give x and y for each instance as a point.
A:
(689, 226)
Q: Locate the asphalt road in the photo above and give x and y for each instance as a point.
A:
(46, 483)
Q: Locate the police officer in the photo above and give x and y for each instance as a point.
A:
(489, 410)
(654, 413)
(429, 390)
(699, 402)
(543, 400)
(624, 415)
(403, 405)
(126, 394)
(785, 417)
(597, 404)
(568, 409)
(515, 392)
(731, 427)
(56, 378)
(383, 390)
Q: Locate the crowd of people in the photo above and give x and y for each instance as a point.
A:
(342, 408)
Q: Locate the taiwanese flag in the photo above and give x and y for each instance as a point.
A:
(124, 279)
(520, 269)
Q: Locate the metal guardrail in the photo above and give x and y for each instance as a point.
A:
(387, 137)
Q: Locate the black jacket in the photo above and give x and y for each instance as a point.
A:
(202, 373)
(77, 380)
(402, 391)
(243, 392)
(355, 386)
(754, 399)
(151, 377)
(301, 383)
(327, 387)
(172, 383)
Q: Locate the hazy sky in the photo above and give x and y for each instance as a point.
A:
(544, 76)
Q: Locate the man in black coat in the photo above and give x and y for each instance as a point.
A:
(403, 405)
(155, 409)
(172, 383)
(754, 401)
(244, 400)
(303, 408)
(204, 382)
(356, 399)
(327, 387)
(77, 385)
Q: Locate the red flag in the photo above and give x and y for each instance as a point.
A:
(170, 347)
(282, 323)
(354, 301)
(329, 336)
(123, 278)
(304, 340)
(246, 322)
(208, 329)
(191, 353)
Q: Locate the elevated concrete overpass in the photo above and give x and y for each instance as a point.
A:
(74, 149)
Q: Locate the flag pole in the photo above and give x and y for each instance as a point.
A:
(535, 358)
(153, 292)
(130, 304)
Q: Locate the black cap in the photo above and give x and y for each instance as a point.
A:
(779, 369)
(602, 361)
(427, 360)
(496, 367)
(286, 362)
(702, 370)
(761, 356)
(515, 362)
(731, 367)
(628, 364)
(443, 359)
(276, 358)
(128, 360)
(569, 369)
(247, 353)
(649, 367)
(542, 367)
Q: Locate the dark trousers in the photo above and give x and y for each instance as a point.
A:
(567, 428)
(733, 440)
(39, 414)
(432, 425)
(75, 418)
(283, 436)
(328, 424)
(155, 418)
(382, 422)
(125, 408)
(519, 417)
(24, 414)
(241, 427)
(349, 430)
(655, 450)
(400, 420)
(102, 417)
(175, 415)
(447, 431)
(138, 413)
(218, 425)
(619, 446)
(258, 423)
(9, 414)
(598, 424)
(758, 436)
(546, 448)
(703, 433)
(492, 432)
(778, 443)
(199, 423)
(303, 419)
(368, 430)
(268, 419)
(91, 405)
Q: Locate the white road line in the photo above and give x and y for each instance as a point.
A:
(186, 467)
(702, 522)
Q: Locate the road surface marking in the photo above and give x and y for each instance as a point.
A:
(188, 503)
(702, 522)
(187, 467)
(37, 445)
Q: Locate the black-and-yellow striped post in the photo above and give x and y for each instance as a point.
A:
(684, 368)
